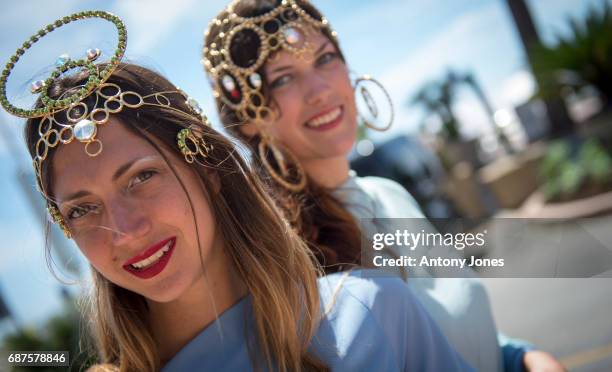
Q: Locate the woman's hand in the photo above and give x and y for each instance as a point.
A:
(540, 361)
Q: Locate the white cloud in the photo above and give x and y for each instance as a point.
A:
(472, 117)
(463, 45)
(518, 88)
(456, 46)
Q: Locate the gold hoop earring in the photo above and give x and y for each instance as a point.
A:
(57, 218)
(283, 178)
(362, 90)
(192, 146)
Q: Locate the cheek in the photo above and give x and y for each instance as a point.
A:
(348, 93)
(167, 204)
(173, 205)
(206, 227)
(287, 128)
(98, 255)
(289, 106)
(183, 216)
(344, 86)
(203, 210)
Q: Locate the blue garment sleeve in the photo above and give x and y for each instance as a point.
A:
(513, 352)
(418, 339)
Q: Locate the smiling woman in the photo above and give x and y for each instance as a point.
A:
(282, 85)
(290, 117)
(193, 267)
(130, 192)
(168, 240)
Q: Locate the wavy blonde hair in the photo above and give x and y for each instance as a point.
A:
(274, 263)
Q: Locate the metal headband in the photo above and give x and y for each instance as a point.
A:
(235, 81)
(80, 122)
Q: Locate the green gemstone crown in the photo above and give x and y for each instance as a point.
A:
(96, 76)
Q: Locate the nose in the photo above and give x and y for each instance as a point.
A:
(318, 89)
(127, 222)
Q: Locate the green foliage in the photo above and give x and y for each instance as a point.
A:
(583, 58)
(597, 163)
(566, 173)
(61, 332)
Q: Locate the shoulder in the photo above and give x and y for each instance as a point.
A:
(391, 196)
(378, 184)
(364, 320)
(373, 320)
(368, 288)
(374, 300)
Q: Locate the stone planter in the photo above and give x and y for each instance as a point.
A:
(513, 178)
(536, 207)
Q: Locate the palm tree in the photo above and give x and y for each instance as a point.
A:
(469, 79)
(581, 58)
(437, 97)
(561, 124)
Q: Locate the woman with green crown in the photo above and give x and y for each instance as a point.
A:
(193, 267)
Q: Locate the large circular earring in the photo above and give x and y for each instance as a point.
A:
(293, 179)
(364, 97)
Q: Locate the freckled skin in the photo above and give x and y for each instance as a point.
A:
(142, 207)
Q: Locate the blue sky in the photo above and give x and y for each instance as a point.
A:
(402, 42)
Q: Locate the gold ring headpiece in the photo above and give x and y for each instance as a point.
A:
(77, 120)
(234, 75)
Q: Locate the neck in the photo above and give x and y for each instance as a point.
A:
(176, 323)
(328, 173)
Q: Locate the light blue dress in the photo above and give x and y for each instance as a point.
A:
(459, 306)
(370, 324)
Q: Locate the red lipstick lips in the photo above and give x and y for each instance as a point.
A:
(154, 268)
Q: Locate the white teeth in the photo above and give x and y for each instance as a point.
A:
(325, 119)
(153, 258)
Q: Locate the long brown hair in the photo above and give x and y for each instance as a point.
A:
(274, 263)
(321, 219)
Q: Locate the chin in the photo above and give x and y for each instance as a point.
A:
(163, 295)
(345, 144)
(346, 147)
(167, 290)
(341, 148)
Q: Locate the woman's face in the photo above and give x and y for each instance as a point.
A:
(130, 216)
(315, 100)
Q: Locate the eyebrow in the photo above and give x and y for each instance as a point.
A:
(118, 173)
(322, 46)
(125, 167)
(319, 50)
(76, 195)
